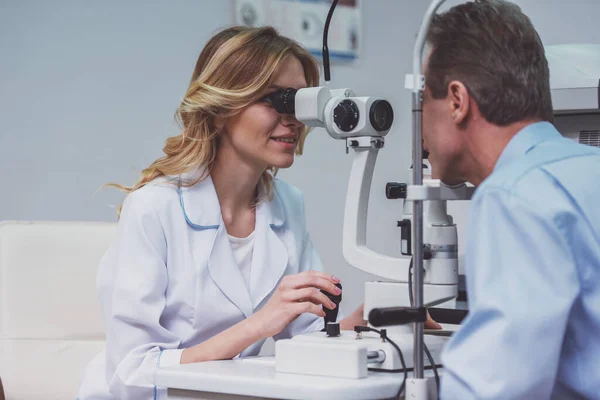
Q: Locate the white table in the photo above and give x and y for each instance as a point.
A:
(255, 378)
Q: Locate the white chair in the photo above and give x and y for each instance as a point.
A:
(50, 322)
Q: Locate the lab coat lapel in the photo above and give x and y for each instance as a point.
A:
(270, 257)
(202, 212)
(226, 274)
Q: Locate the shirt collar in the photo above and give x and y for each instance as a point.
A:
(525, 140)
(201, 207)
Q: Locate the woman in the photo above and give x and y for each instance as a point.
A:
(212, 255)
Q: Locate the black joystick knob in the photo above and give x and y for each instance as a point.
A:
(331, 315)
(395, 190)
(332, 329)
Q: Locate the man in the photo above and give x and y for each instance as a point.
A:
(533, 252)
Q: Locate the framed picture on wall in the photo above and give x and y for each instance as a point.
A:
(304, 21)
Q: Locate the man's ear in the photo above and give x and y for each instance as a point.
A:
(459, 102)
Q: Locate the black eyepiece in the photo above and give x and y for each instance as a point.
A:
(283, 100)
(381, 115)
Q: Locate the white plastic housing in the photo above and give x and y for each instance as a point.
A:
(306, 354)
(363, 128)
(310, 104)
(323, 358)
(441, 235)
(439, 192)
(354, 241)
(314, 107)
(439, 229)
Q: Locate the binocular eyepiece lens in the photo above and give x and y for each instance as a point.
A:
(283, 100)
(381, 115)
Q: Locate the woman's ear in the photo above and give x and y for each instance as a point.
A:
(219, 123)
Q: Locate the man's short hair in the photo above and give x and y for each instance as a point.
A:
(494, 50)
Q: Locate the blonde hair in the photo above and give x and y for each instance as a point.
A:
(233, 70)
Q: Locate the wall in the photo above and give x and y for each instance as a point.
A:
(88, 94)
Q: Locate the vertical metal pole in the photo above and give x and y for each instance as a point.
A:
(417, 101)
(418, 232)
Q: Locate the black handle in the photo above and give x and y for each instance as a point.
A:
(396, 316)
(331, 315)
(448, 315)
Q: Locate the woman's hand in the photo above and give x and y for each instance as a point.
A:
(296, 295)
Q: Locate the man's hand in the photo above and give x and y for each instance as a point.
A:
(430, 323)
(354, 319)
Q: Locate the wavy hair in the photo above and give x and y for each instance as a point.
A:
(233, 71)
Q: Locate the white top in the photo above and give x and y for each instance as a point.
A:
(242, 252)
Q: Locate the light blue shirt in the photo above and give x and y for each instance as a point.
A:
(533, 276)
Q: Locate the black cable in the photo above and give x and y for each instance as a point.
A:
(412, 304)
(383, 334)
(435, 371)
(399, 396)
(325, 34)
(403, 366)
(410, 292)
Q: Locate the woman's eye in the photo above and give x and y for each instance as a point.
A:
(266, 99)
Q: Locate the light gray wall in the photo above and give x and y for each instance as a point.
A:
(88, 93)
(88, 90)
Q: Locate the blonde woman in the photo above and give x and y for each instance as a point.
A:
(212, 255)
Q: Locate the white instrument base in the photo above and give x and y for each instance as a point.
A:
(345, 356)
(255, 378)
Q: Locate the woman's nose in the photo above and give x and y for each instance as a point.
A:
(291, 121)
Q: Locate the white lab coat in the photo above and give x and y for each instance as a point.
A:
(170, 281)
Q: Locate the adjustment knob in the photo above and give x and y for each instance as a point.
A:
(395, 190)
(346, 115)
(333, 329)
